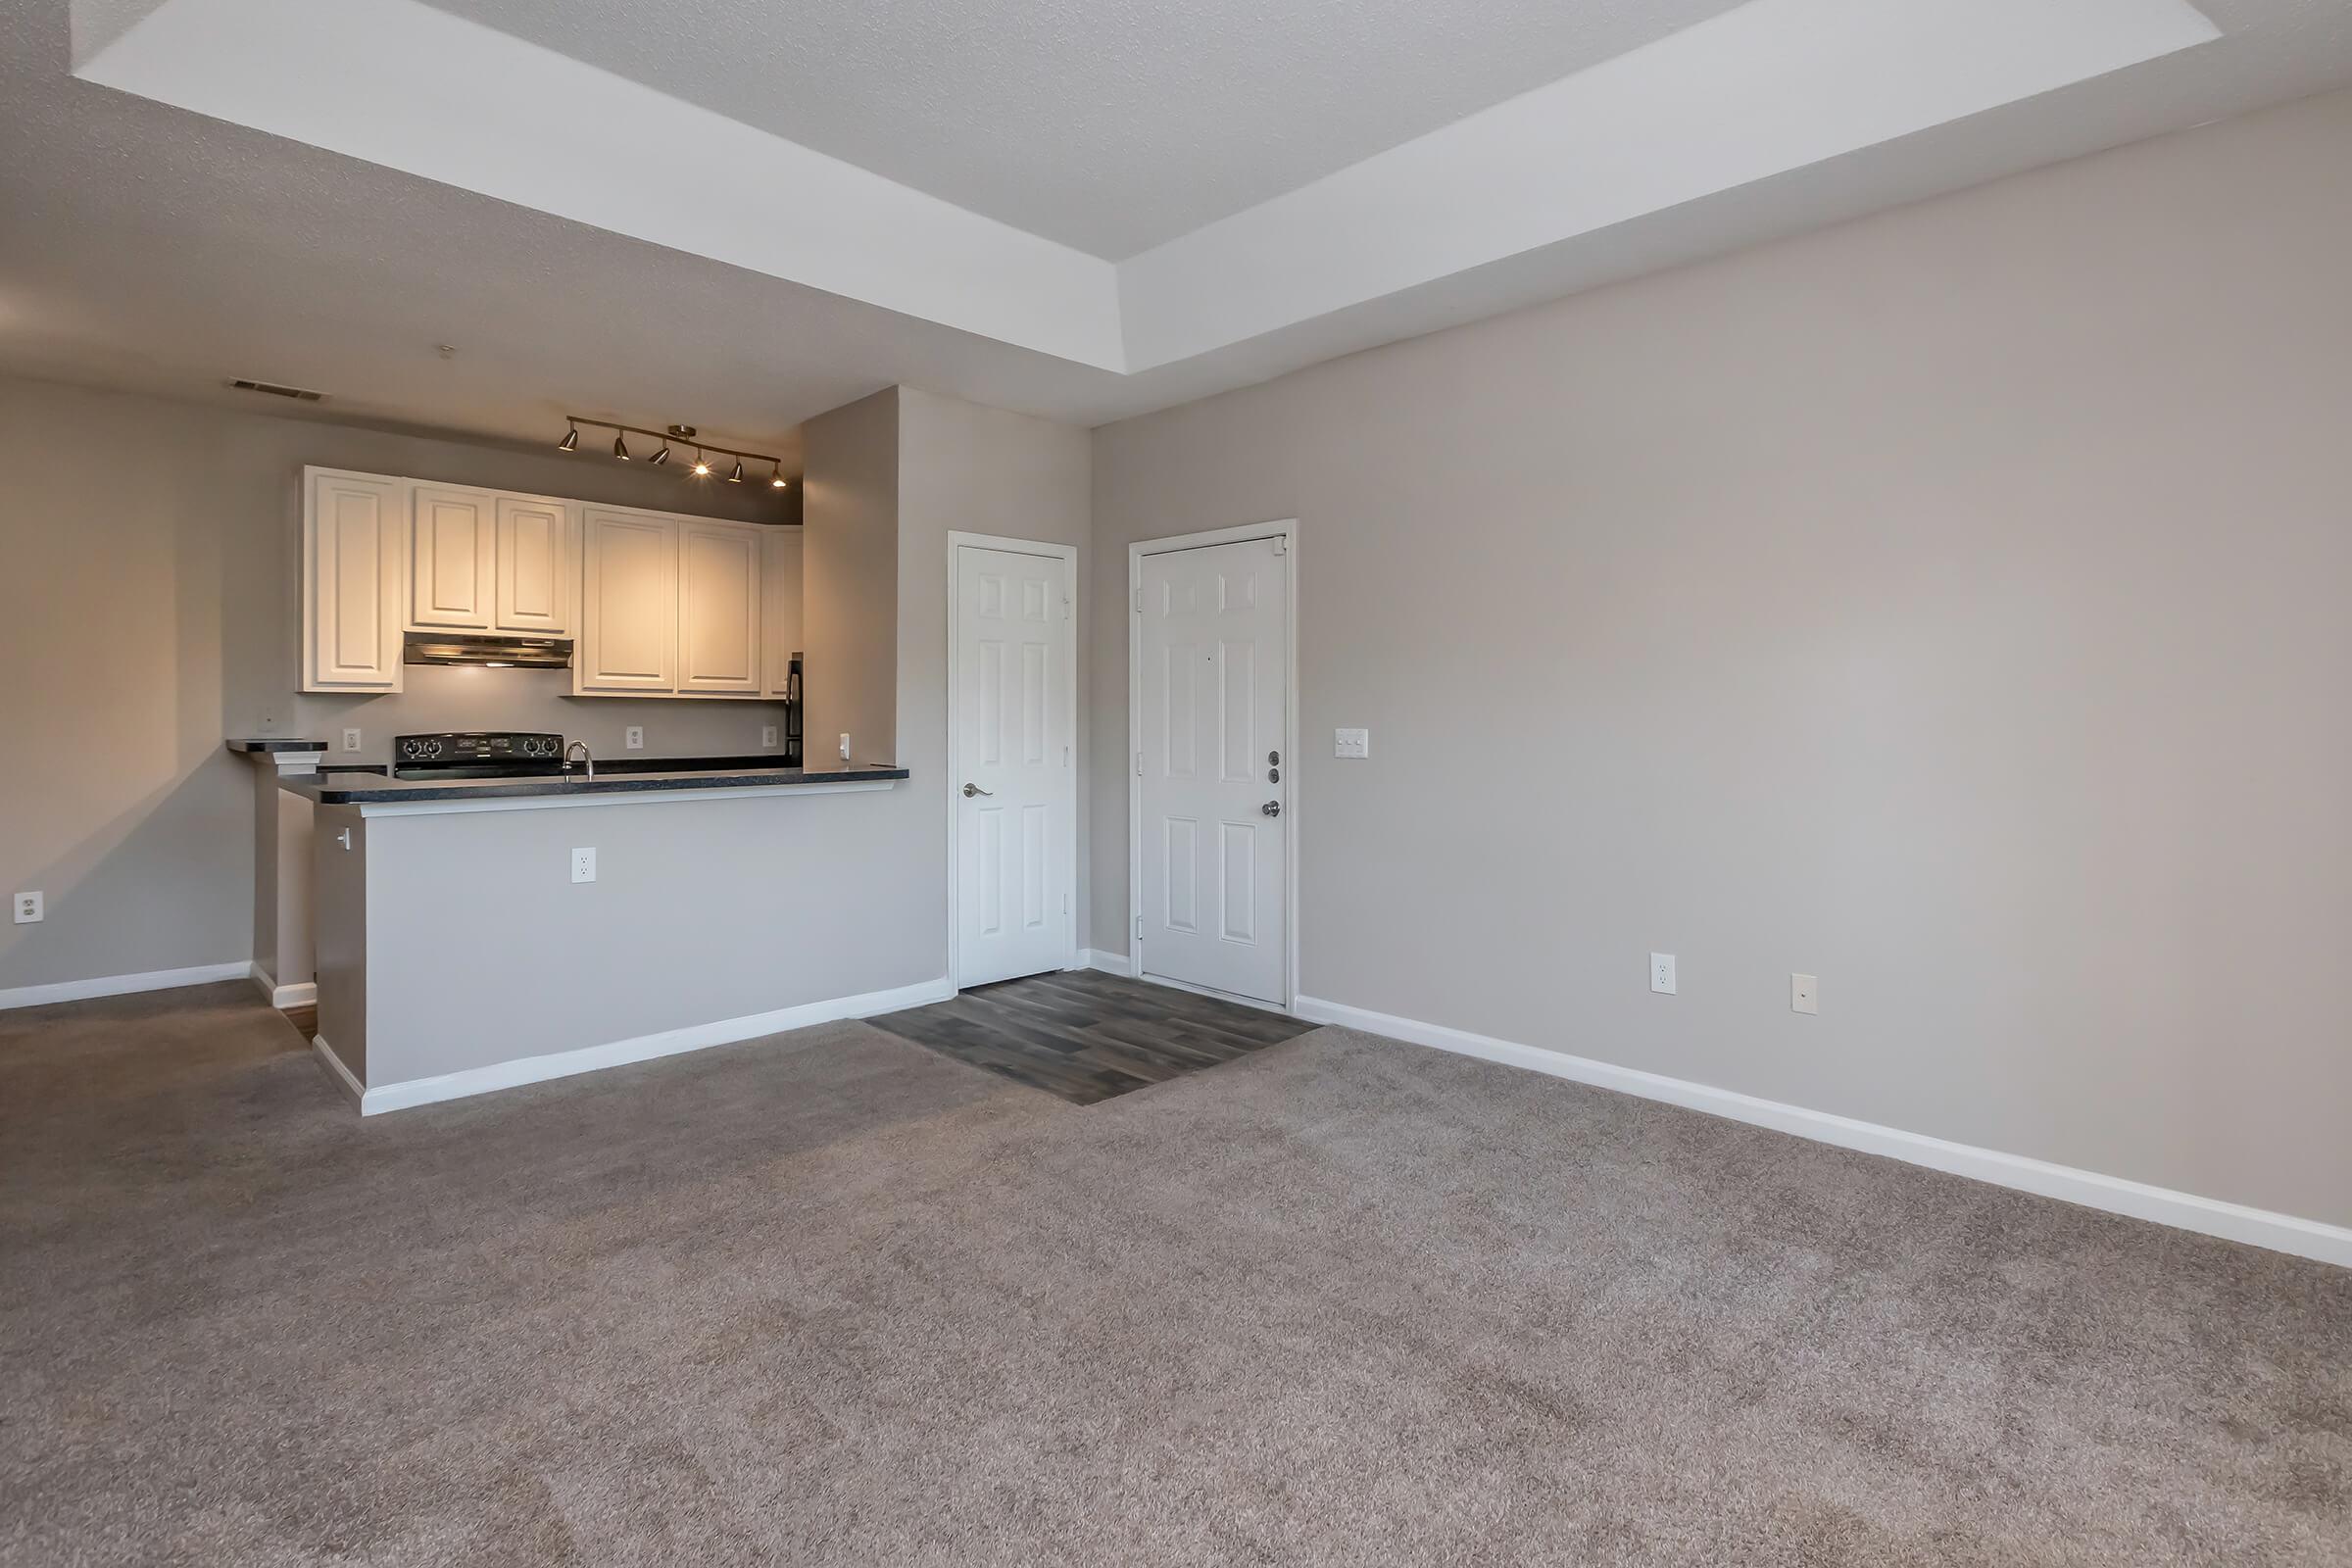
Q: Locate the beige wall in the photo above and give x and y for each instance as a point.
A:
(1950, 604)
(848, 579)
(149, 582)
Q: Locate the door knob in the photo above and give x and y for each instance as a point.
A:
(1271, 809)
(970, 790)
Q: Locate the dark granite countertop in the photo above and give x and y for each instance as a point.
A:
(272, 743)
(351, 788)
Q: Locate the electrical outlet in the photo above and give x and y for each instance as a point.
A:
(845, 748)
(28, 908)
(767, 734)
(583, 866)
(350, 740)
(1661, 973)
(633, 737)
(1351, 743)
(1804, 994)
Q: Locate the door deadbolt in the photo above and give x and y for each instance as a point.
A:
(1273, 775)
(1273, 759)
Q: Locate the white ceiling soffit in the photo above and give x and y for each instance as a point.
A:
(1768, 87)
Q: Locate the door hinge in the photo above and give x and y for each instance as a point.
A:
(1139, 601)
(1139, 765)
(1139, 928)
(1282, 544)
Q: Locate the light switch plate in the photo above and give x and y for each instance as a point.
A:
(350, 740)
(634, 737)
(28, 908)
(1661, 973)
(583, 866)
(1804, 994)
(1351, 743)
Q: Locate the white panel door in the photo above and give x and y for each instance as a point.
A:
(1214, 652)
(452, 557)
(534, 553)
(719, 607)
(1014, 771)
(628, 602)
(352, 593)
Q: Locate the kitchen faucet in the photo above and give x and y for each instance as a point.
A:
(580, 747)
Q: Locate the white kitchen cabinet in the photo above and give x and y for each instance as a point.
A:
(355, 533)
(533, 592)
(780, 607)
(453, 559)
(719, 593)
(628, 602)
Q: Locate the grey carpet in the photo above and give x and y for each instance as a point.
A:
(832, 1299)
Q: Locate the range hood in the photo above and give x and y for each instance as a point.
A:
(454, 648)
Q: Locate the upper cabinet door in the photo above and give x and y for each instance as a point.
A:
(451, 558)
(533, 595)
(628, 602)
(354, 528)
(719, 607)
(780, 609)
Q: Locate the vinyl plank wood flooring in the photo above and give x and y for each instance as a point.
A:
(1086, 1036)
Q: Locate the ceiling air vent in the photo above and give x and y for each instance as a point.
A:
(299, 394)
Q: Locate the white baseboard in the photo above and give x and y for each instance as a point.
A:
(375, 1101)
(344, 1079)
(2282, 1233)
(1108, 962)
(282, 997)
(121, 985)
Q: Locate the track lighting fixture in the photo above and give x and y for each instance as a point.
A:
(699, 469)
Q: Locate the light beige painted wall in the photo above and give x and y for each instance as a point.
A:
(149, 608)
(1950, 604)
(848, 579)
(702, 910)
(889, 478)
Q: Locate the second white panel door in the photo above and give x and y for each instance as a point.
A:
(1215, 656)
(1015, 769)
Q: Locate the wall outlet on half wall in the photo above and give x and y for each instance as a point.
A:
(1661, 973)
(28, 908)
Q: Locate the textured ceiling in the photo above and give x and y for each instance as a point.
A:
(153, 250)
(1107, 125)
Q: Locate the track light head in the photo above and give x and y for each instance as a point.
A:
(661, 457)
(735, 474)
(570, 441)
(620, 448)
(702, 467)
(776, 480)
